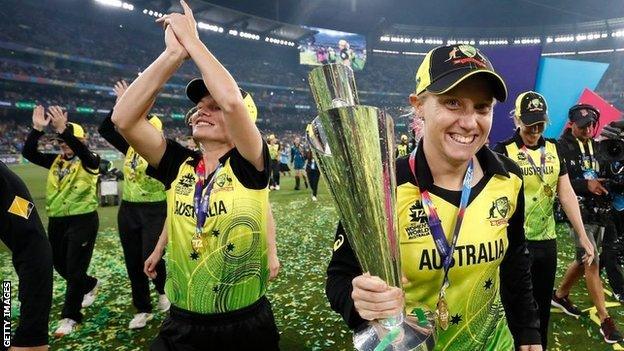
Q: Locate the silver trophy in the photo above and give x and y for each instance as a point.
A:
(354, 146)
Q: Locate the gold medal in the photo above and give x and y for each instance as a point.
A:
(443, 313)
(197, 243)
(548, 190)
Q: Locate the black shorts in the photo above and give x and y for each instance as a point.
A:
(250, 328)
(284, 167)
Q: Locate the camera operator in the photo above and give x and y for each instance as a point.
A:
(611, 155)
(580, 151)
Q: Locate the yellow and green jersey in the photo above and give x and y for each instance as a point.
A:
(401, 150)
(230, 269)
(71, 189)
(274, 151)
(490, 277)
(477, 316)
(139, 187)
(539, 191)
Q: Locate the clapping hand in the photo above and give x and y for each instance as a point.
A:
(58, 117)
(39, 119)
(184, 25)
(119, 89)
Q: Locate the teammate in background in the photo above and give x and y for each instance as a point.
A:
(402, 148)
(71, 205)
(298, 160)
(331, 55)
(345, 53)
(140, 219)
(217, 200)
(284, 158)
(22, 232)
(578, 147)
(545, 177)
(487, 298)
(274, 151)
(313, 172)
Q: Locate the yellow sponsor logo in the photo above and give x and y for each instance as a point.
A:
(21, 207)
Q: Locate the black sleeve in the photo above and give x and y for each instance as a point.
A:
(563, 169)
(90, 160)
(580, 187)
(109, 133)
(167, 171)
(501, 149)
(516, 288)
(21, 230)
(247, 173)
(343, 267)
(573, 167)
(33, 155)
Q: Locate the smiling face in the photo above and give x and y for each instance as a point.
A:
(531, 134)
(457, 123)
(66, 151)
(208, 123)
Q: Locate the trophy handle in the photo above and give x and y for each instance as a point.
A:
(317, 138)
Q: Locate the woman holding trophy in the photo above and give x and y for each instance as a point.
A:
(217, 200)
(460, 210)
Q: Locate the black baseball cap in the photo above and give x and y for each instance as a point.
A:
(583, 114)
(196, 90)
(531, 108)
(446, 66)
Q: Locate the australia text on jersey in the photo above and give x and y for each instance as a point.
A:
(465, 255)
(184, 209)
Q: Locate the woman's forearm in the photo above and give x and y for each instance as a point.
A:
(570, 206)
(139, 96)
(163, 239)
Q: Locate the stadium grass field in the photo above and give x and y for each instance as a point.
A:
(305, 232)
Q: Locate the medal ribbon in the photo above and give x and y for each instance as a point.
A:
(435, 225)
(134, 162)
(588, 162)
(200, 202)
(542, 169)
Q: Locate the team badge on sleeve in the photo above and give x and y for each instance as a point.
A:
(338, 242)
(21, 207)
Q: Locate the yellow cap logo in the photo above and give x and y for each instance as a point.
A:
(77, 130)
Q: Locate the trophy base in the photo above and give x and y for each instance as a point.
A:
(407, 335)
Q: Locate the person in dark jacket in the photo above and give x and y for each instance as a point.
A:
(579, 150)
(22, 232)
(313, 172)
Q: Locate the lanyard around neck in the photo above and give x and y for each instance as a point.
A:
(435, 225)
(201, 202)
(588, 160)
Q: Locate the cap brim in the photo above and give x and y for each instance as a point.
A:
(583, 121)
(529, 119)
(452, 79)
(196, 90)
